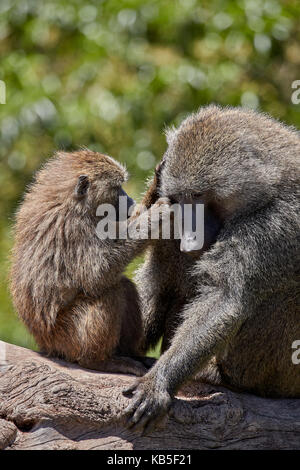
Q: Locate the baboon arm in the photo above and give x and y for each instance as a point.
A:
(106, 259)
(208, 325)
(154, 307)
(113, 258)
(152, 193)
(106, 264)
(194, 343)
(160, 311)
(158, 289)
(151, 196)
(152, 301)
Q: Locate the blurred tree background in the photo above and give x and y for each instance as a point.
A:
(110, 75)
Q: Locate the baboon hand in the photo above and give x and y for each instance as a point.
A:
(148, 406)
(160, 216)
(162, 201)
(162, 206)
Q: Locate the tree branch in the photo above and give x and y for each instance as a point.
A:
(51, 404)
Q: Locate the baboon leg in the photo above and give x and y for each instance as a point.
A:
(270, 372)
(209, 374)
(131, 321)
(129, 347)
(89, 331)
(173, 320)
(160, 289)
(89, 335)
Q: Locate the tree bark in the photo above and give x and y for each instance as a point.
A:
(51, 404)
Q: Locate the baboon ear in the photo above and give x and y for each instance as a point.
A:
(82, 186)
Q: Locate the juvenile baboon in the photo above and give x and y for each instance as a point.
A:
(67, 284)
(232, 313)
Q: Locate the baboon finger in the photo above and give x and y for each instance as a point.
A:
(128, 392)
(131, 409)
(139, 413)
(140, 425)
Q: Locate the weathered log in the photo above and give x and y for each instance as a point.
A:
(51, 404)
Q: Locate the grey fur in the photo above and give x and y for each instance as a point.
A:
(238, 304)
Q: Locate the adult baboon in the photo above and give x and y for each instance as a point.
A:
(233, 312)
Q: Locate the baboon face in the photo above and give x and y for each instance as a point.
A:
(217, 155)
(215, 158)
(84, 180)
(102, 182)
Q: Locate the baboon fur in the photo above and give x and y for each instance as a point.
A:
(67, 284)
(232, 314)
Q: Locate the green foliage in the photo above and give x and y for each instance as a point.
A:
(110, 75)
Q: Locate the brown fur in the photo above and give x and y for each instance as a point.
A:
(66, 284)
